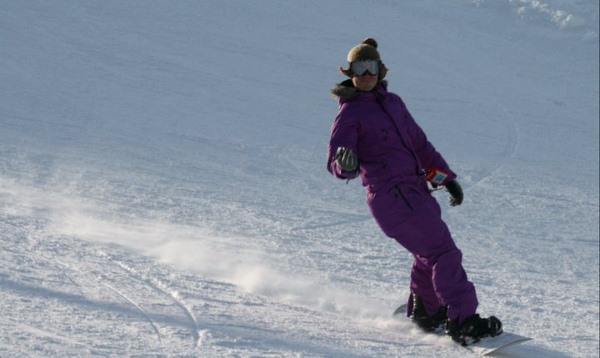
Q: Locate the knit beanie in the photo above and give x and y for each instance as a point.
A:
(366, 50)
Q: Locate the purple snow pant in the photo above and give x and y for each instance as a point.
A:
(409, 214)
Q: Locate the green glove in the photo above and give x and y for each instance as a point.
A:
(345, 159)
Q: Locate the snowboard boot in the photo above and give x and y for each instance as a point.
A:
(419, 316)
(473, 329)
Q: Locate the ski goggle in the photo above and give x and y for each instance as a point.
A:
(359, 68)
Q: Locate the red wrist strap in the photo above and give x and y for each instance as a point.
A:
(436, 176)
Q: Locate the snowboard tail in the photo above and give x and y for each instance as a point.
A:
(489, 345)
(485, 346)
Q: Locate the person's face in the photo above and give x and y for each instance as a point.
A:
(366, 82)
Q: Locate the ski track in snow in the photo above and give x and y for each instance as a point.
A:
(161, 288)
(481, 97)
(136, 305)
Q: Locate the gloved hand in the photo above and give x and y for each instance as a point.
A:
(456, 193)
(345, 159)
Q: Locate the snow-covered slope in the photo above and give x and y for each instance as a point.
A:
(163, 189)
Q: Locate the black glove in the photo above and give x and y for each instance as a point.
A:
(345, 159)
(456, 193)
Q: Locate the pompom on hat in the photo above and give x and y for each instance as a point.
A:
(366, 50)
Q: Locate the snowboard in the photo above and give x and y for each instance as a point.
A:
(486, 346)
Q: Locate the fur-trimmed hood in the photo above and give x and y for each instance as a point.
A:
(346, 89)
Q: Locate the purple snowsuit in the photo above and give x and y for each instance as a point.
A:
(393, 153)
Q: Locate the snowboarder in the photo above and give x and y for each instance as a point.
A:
(374, 137)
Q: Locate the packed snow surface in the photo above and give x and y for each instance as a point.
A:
(163, 190)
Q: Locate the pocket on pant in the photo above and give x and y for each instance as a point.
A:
(400, 195)
(411, 195)
(389, 210)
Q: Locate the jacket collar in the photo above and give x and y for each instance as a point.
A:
(346, 90)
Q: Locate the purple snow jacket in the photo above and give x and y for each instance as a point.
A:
(393, 154)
